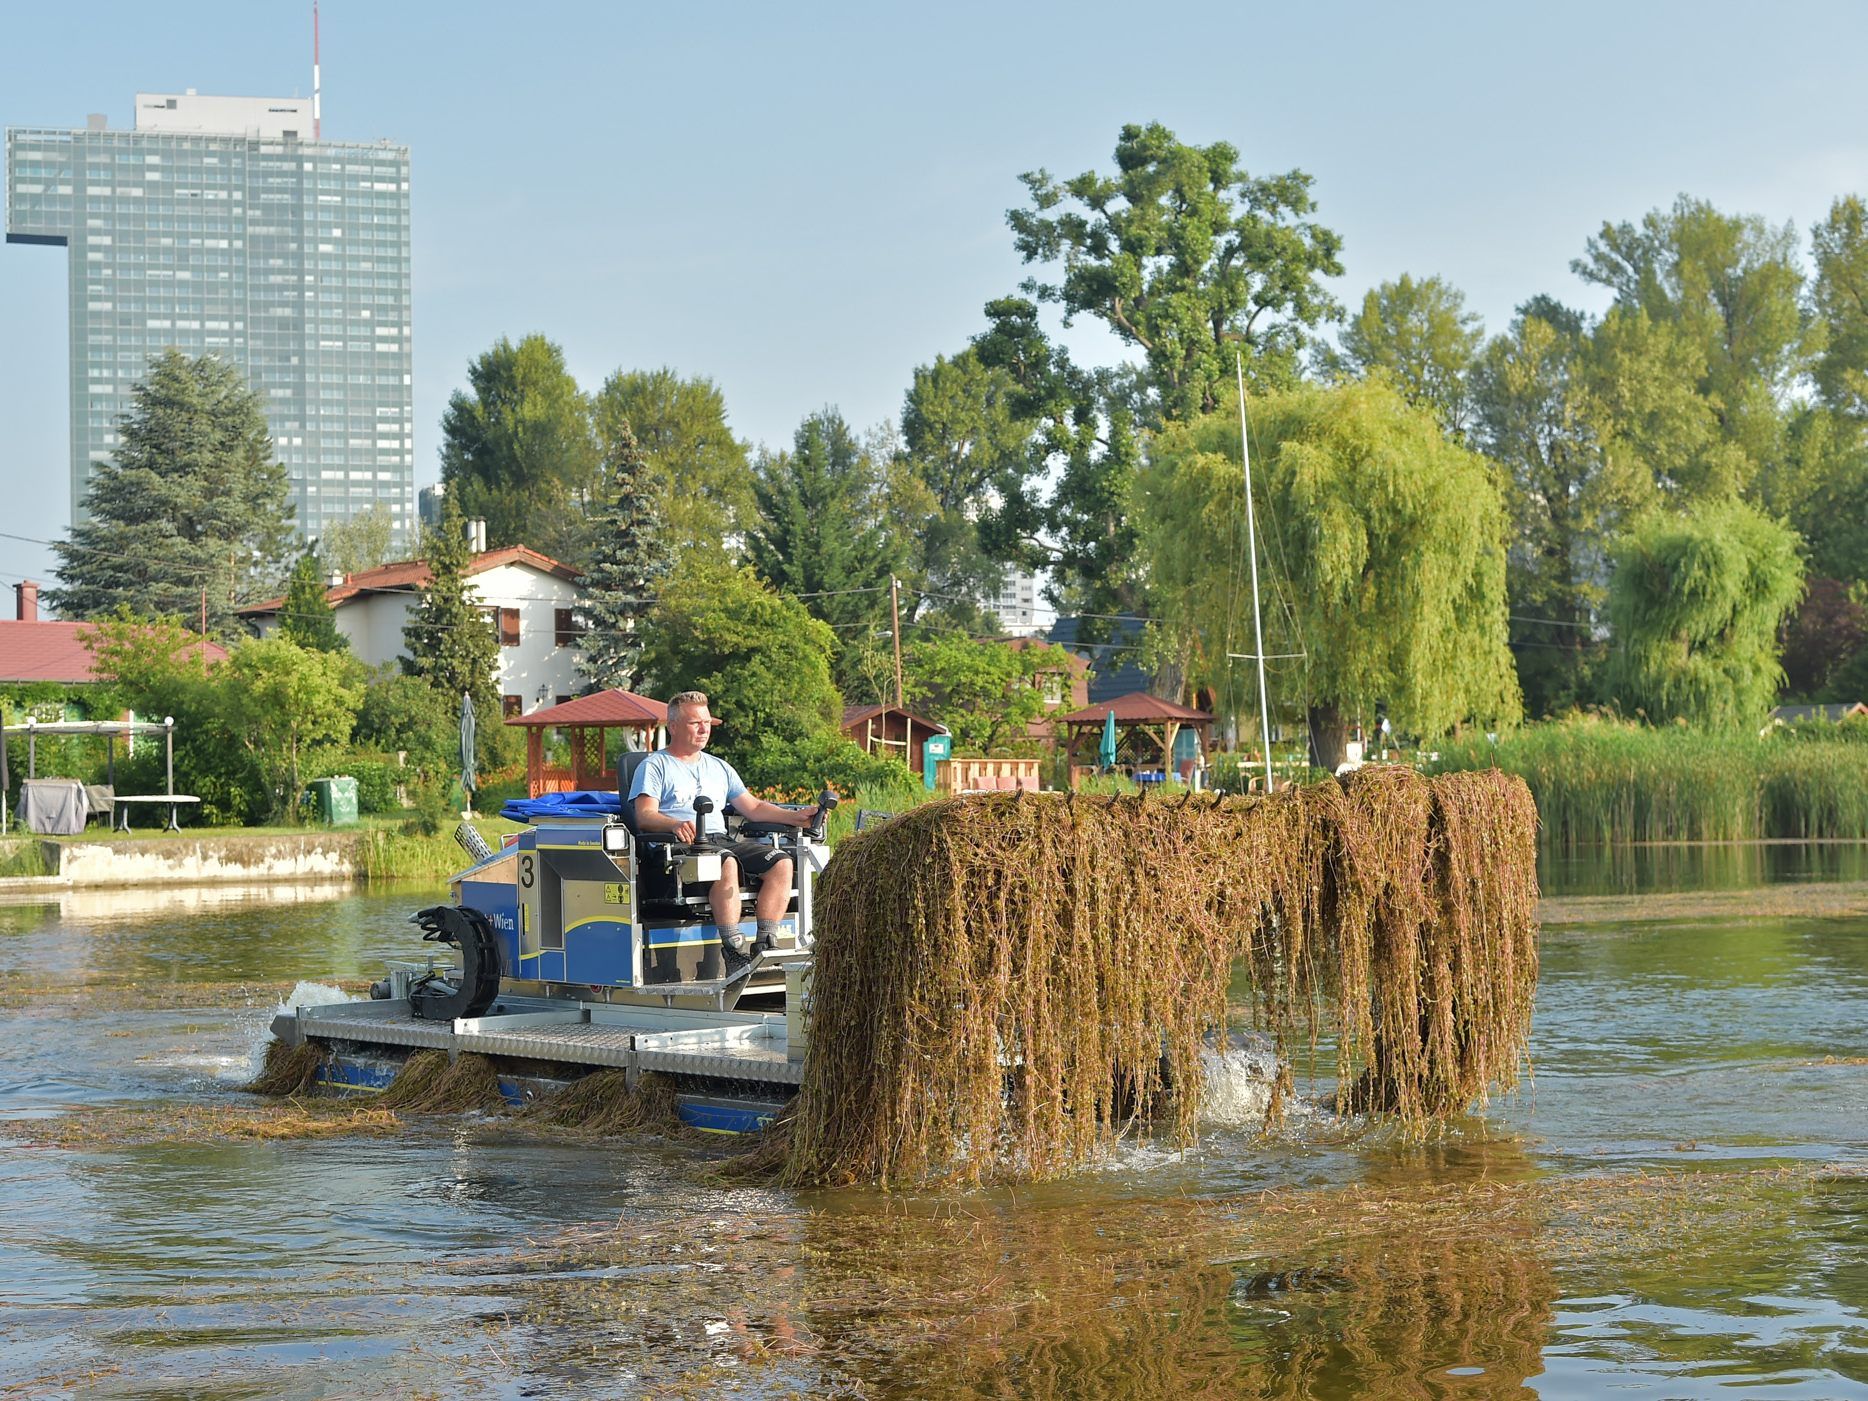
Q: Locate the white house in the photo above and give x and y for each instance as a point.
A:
(529, 599)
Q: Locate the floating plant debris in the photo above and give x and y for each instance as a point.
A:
(1006, 984)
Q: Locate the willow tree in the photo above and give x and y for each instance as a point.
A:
(1382, 562)
(1695, 604)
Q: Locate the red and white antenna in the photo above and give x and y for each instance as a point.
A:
(317, 95)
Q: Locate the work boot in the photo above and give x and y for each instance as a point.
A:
(734, 940)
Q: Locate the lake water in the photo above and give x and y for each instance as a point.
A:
(1675, 1206)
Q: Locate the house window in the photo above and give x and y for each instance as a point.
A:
(509, 627)
(566, 622)
(560, 700)
(1053, 688)
(511, 706)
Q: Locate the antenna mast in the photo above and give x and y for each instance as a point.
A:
(1251, 545)
(317, 96)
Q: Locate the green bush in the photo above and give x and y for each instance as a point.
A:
(797, 770)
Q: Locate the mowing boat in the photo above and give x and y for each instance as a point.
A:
(583, 945)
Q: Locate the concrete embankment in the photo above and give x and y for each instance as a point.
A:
(298, 857)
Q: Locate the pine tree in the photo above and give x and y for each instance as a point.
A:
(306, 617)
(192, 510)
(447, 640)
(629, 558)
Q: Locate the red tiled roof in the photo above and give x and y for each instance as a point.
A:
(1137, 707)
(616, 707)
(411, 576)
(53, 651)
(855, 715)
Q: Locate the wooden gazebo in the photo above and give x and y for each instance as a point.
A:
(1146, 727)
(589, 719)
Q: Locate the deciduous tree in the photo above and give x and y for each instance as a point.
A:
(1383, 557)
(284, 700)
(762, 659)
(517, 448)
(1420, 337)
(1177, 252)
(697, 471)
(1696, 602)
(986, 693)
(362, 542)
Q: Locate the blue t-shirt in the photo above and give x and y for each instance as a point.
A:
(674, 785)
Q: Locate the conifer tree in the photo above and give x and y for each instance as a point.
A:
(307, 617)
(190, 514)
(447, 640)
(629, 558)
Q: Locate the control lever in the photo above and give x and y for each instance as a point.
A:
(702, 806)
(826, 800)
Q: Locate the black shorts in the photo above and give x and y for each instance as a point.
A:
(756, 859)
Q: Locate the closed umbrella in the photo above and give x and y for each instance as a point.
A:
(468, 780)
(1106, 751)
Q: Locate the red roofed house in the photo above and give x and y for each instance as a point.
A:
(529, 599)
(32, 649)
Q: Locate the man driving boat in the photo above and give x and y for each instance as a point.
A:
(663, 795)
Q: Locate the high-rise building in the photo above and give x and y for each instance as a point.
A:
(219, 225)
(1016, 603)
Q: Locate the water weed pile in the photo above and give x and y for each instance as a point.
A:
(1006, 984)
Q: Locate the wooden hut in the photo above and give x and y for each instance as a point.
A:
(589, 719)
(890, 730)
(1146, 727)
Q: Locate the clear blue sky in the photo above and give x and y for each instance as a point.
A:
(804, 202)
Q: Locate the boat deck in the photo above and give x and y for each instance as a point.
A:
(748, 1046)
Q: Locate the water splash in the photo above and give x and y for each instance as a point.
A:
(1239, 1081)
(305, 994)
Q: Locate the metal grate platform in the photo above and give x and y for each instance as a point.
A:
(716, 1045)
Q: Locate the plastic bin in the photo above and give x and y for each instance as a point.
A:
(337, 799)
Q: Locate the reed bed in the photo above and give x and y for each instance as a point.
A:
(1006, 984)
(1601, 782)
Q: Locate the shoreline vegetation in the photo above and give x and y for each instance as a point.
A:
(1602, 782)
(1596, 783)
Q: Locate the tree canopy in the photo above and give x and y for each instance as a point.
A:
(762, 659)
(191, 514)
(985, 693)
(1178, 251)
(306, 616)
(1696, 601)
(1422, 340)
(517, 448)
(825, 532)
(695, 469)
(1383, 561)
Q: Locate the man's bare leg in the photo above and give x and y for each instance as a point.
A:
(723, 898)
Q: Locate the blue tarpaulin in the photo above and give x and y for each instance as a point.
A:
(604, 802)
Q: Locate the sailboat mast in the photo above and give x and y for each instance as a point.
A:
(1251, 546)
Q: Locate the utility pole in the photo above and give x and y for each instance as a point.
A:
(895, 610)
